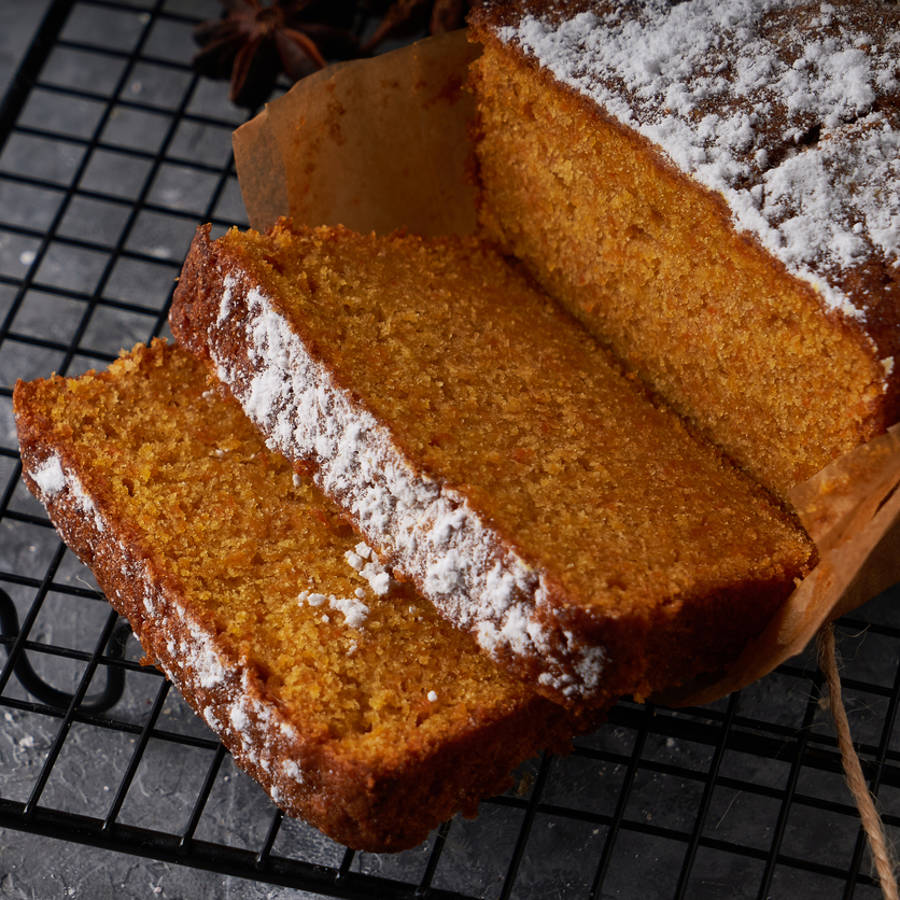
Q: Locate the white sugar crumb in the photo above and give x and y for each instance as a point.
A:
(360, 593)
(378, 578)
(209, 668)
(708, 81)
(80, 496)
(296, 479)
(240, 722)
(228, 286)
(287, 729)
(354, 611)
(49, 476)
(209, 717)
(432, 696)
(51, 479)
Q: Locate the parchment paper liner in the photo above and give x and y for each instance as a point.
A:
(382, 144)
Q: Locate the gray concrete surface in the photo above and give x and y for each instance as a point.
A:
(18, 21)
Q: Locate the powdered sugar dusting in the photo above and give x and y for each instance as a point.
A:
(423, 527)
(354, 611)
(225, 305)
(83, 500)
(770, 105)
(52, 479)
(49, 476)
(209, 716)
(376, 574)
(207, 663)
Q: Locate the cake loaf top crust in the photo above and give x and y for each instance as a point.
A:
(788, 110)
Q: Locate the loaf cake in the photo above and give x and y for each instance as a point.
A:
(486, 446)
(337, 688)
(713, 188)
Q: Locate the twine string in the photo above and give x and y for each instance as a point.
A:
(856, 781)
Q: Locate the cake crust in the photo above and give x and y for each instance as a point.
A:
(378, 805)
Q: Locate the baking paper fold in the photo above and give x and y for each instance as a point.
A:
(384, 143)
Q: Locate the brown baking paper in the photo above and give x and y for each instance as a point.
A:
(382, 144)
(372, 144)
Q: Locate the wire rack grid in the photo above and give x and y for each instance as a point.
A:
(111, 152)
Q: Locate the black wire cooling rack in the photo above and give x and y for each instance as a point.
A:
(111, 151)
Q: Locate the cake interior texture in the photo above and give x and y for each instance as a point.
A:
(394, 719)
(656, 546)
(651, 262)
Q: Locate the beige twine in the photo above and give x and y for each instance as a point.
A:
(871, 821)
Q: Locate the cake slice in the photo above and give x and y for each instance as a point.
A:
(338, 689)
(713, 188)
(490, 451)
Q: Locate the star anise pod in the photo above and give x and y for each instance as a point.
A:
(409, 16)
(255, 42)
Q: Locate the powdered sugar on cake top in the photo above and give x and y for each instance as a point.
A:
(774, 104)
